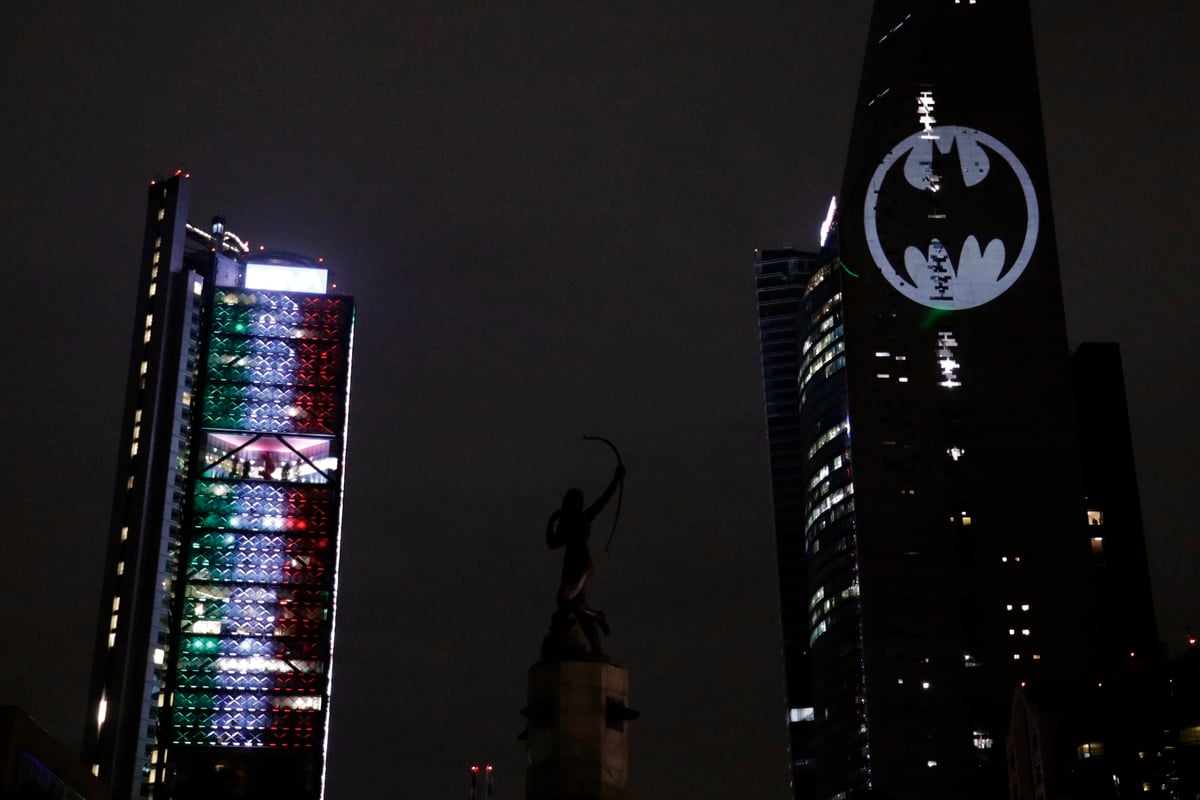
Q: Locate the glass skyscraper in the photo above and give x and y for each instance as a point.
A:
(213, 662)
(931, 517)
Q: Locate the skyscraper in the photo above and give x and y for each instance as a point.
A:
(213, 660)
(930, 511)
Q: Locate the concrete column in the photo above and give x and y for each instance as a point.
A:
(576, 738)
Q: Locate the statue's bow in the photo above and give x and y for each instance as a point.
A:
(620, 487)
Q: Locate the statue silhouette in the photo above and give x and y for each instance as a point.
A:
(570, 527)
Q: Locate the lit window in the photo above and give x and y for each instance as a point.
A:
(982, 740)
(1024, 631)
(197, 287)
(1037, 656)
(96, 770)
(1012, 631)
(931, 763)
(1016, 656)
(125, 531)
(1009, 607)
(159, 656)
(133, 450)
(966, 519)
(969, 660)
(143, 368)
(120, 567)
(1095, 517)
(925, 684)
(882, 355)
(153, 289)
(116, 603)
(186, 398)
(1004, 559)
(1097, 545)
(1025, 606)
(162, 212)
(102, 711)
(1090, 750)
(129, 485)
(801, 715)
(1189, 736)
(945, 360)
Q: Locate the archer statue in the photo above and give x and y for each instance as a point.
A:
(569, 527)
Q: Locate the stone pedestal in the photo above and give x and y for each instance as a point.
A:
(576, 737)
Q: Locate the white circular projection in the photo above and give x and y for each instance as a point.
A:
(949, 257)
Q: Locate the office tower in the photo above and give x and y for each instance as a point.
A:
(212, 664)
(782, 276)
(925, 461)
(1114, 508)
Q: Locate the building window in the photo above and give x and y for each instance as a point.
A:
(1095, 517)
(1090, 750)
(1189, 737)
(801, 715)
(1097, 545)
(982, 740)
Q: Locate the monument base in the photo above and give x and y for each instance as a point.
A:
(576, 738)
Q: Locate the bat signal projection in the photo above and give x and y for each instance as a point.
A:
(951, 217)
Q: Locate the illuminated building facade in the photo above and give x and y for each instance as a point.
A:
(213, 664)
(930, 505)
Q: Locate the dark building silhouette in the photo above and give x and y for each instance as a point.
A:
(1114, 507)
(931, 520)
(782, 276)
(36, 766)
(211, 673)
(1137, 735)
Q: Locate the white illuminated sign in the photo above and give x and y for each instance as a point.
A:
(286, 278)
(928, 274)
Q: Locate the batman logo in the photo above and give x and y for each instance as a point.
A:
(951, 217)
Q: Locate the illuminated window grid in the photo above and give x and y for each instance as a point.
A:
(255, 644)
(276, 362)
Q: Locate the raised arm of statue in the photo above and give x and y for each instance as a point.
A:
(595, 508)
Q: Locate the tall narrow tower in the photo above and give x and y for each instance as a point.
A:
(212, 668)
(943, 531)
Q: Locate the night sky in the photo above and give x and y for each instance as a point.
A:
(547, 213)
